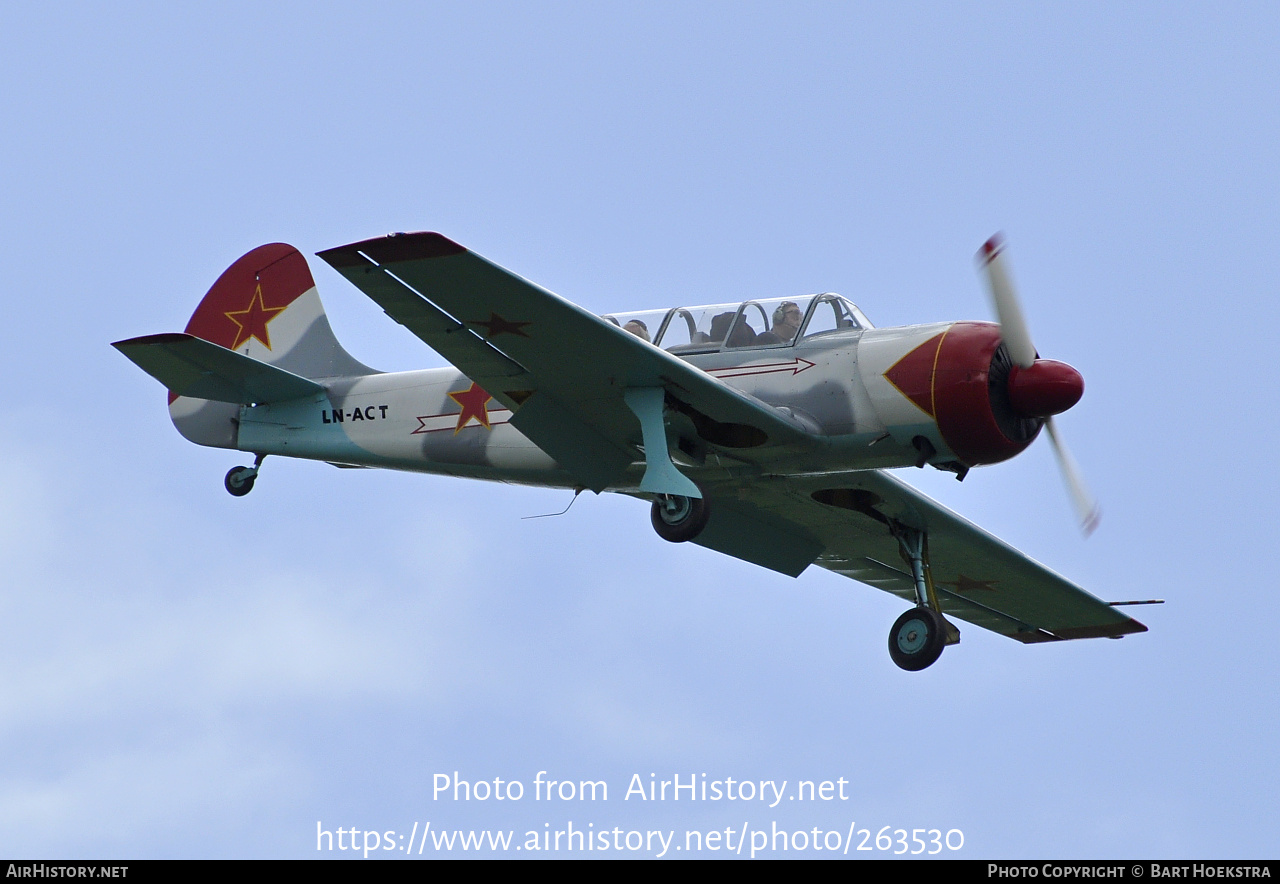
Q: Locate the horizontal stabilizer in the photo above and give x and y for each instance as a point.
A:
(190, 366)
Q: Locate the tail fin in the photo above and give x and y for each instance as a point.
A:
(264, 306)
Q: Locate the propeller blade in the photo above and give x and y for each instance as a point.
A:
(1086, 506)
(1013, 325)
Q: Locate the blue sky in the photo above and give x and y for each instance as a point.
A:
(190, 675)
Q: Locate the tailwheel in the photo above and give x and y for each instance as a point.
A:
(240, 481)
(678, 519)
(917, 639)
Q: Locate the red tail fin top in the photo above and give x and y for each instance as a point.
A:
(249, 295)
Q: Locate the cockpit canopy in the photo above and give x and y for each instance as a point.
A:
(768, 322)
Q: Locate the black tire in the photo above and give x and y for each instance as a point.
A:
(679, 519)
(917, 639)
(239, 481)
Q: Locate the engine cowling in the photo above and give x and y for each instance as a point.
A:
(956, 386)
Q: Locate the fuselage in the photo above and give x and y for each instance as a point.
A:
(840, 379)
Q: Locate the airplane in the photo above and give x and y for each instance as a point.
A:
(762, 429)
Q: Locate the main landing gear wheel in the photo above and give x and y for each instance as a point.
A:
(240, 480)
(917, 639)
(677, 518)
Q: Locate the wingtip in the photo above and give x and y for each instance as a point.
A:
(390, 249)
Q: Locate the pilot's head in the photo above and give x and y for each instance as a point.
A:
(637, 328)
(786, 320)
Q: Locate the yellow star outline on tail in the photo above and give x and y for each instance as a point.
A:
(253, 320)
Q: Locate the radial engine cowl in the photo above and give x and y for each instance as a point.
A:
(961, 379)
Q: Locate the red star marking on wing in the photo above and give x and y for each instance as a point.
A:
(968, 584)
(472, 401)
(495, 325)
(252, 321)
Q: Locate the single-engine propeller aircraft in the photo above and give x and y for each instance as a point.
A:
(760, 429)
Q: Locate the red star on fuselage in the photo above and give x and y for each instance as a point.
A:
(472, 401)
(252, 321)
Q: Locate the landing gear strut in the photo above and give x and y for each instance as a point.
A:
(239, 480)
(677, 518)
(919, 635)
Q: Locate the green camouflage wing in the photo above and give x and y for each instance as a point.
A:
(978, 577)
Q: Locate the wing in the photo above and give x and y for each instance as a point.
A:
(841, 521)
(563, 371)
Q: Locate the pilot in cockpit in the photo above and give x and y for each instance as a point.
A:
(637, 328)
(786, 322)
